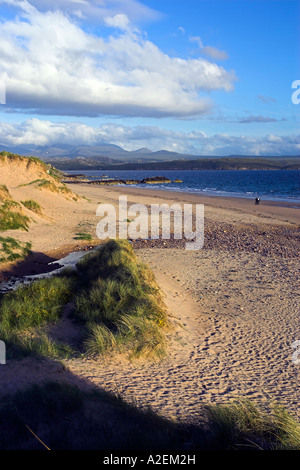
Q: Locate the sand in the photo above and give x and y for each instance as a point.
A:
(233, 304)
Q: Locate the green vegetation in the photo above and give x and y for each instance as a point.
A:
(242, 425)
(121, 305)
(32, 206)
(11, 220)
(83, 236)
(43, 183)
(4, 193)
(117, 307)
(14, 156)
(59, 416)
(10, 216)
(12, 249)
(26, 311)
(48, 168)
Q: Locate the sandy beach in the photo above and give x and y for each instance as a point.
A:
(233, 304)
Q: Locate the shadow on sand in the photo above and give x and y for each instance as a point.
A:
(45, 406)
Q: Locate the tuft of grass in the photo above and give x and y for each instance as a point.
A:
(121, 304)
(4, 193)
(35, 303)
(243, 425)
(44, 183)
(40, 181)
(11, 217)
(12, 220)
(83, 236)
(25, 311)
(32, 206)
(12, 249)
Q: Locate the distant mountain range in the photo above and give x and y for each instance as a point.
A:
(104, 152)
(113, 157)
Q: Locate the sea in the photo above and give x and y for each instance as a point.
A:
(272, 185)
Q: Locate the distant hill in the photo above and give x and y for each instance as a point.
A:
(110, 156)
(102, 151)
(235, 163)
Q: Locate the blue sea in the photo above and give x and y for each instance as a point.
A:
(278, 185)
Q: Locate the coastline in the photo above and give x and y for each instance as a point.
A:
(281, 210)
(53, 242)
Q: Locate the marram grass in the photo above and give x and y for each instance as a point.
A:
(32, 206)
(26, 311)
(12, 249)
(117, 308)
(242, 424)
(121, 304)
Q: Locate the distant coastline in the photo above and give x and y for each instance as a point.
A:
(279, 185)
(226, 163)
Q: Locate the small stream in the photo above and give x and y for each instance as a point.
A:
(69, 261)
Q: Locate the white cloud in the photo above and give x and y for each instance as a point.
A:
(120, 21)
(50, 65)
(210, 51)
(41, 132)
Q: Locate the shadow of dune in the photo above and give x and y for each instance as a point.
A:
(41, 400)
(34, 263)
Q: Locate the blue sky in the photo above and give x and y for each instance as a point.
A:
(193, 76)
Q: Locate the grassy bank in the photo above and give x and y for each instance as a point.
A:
(11, 217)
(26, 312)
(59, 416)
(121, 305)
(12, 249)
(117, 306)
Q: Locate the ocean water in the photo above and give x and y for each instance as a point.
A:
(279, 185)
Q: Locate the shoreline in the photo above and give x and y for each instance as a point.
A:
(268, 208)
(288, 200)
(231, 210)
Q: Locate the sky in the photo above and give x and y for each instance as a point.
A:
(203, 77)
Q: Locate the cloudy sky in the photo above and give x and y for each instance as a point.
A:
(194, 76)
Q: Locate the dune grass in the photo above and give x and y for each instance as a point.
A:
(12, 220)
(11, 217)
(121, 304)
(118, 307)
(83, 236)
(12, 249)
(4, 193)
(39, 181)
(25, 311)
(243, 425)
(32, 206)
